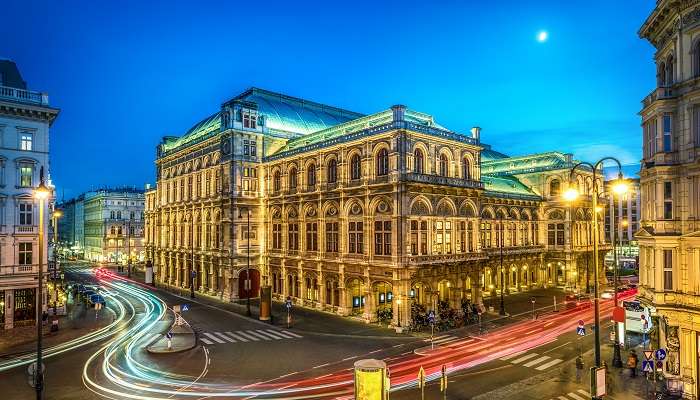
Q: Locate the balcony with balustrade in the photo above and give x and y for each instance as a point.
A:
(23, 96)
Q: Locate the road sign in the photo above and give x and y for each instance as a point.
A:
(660, 354)
(647, 366)
(431, 317)
(185, 307)
(288, 304)
(648, 354)
(581, 331)
(169, 335)
(532, 299)
(580, 322)
(659, 365)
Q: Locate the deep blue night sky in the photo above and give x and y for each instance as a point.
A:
(125, 73)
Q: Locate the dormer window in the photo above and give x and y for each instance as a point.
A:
(250, 119)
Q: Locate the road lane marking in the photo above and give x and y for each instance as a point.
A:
(322, 376)
(375, 351)
(320, 366)
(258, 335)
(523, 358)
(398, 345)
(583, 392)
(558, 347)
(575, 396)
(214, 338)
(350, 358)
(549, 364)
(286, 335)
(263, 333)
(237, 336)
(563, 398)
(206, 341)
(536, 361)
(226, 338)
(248, 336)
(293, 334)
(274, 334)
(509, 356)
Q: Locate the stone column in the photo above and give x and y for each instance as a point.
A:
(177, 269)
(9, 308)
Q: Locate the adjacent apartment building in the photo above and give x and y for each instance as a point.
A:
(112, 225)
(25, 119)
(669, 237)
(349, 213)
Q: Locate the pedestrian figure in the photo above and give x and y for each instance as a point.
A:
(632, 364)
(579, 368)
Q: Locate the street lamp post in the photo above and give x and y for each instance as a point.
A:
(247, 284)
(398, 308)
(502, 310)
(128, 248)
(56, 215)
(41, 193)
(570, 195)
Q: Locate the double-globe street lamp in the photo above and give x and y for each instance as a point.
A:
(571, 194)
(247, 283)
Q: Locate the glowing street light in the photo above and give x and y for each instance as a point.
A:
(41, 193)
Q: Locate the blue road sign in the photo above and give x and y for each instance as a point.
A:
(193, 273)
(431, 317)
(581, 331)
(647, 366)
(169, 335)
(288, 303)
(185, 307)
(660, 354)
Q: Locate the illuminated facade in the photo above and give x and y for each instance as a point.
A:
(113, 225)
(669, 237)
(351, 212)
(25, 119)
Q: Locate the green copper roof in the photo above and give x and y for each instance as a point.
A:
(359, 124)
(282, 114)
(488, 154)
(527, 164)
(294, 115)
(508, 185)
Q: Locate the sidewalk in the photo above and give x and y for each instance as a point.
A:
(77, 322)
(561, 382)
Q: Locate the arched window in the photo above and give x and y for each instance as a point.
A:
(696, 58)
(311, 175)
(276, 181)
(332, 171)
(466, 174)
(443, 165)
(418, 161)
(382, 162)
(669, 70)
(293, 178)
(554, 187)
(355, 167)
(661, 74)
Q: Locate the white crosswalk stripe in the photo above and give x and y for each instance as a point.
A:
(532, 360)
(257, 335)
(443, 339)
(580, 394)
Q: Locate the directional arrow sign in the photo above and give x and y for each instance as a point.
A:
(647, 366)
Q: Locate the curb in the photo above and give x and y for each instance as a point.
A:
(148, 349)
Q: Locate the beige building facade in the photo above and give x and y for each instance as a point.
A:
(350, 213)
(669, 236)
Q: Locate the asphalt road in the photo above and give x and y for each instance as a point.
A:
(237, 353)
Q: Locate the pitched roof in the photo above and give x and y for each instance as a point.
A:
(10, 75)
(508, 185)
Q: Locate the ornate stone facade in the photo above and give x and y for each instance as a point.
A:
(350, 213)
(669, 237)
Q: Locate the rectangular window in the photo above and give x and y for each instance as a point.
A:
(485, 234)
(355, 238)
(551, 235)
(246, 150)
(249, 120)
(277, 236)
(668, 200)
(253, 150)
(311, 236)
(25, 254)
(25, 175)
(293, 236)
(560, 234)
(696, 124)
(667, 133)
(332, 237)
(382, 238)
(25, 141)
(668, 269)
(25, 213)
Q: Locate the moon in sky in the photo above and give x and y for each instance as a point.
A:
(542, 36)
